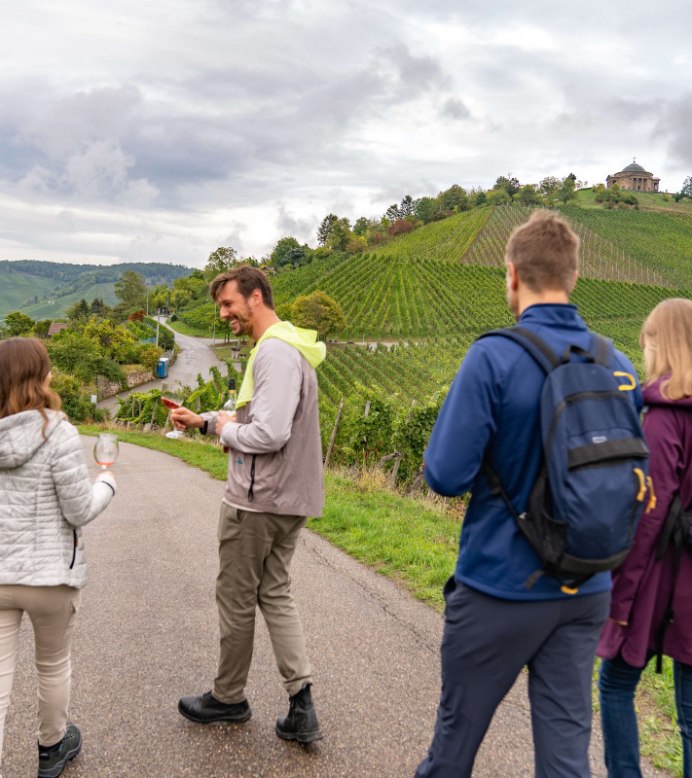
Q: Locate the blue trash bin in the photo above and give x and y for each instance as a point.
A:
(162, 368)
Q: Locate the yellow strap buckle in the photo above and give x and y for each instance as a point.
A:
(652, 496)
(642, 484)
(631, 381)
(568, 589)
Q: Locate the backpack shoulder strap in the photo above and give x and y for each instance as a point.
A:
(542, 354)
(602, 350)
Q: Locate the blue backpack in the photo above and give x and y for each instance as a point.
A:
(585, 504)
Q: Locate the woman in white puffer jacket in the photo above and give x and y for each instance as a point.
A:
(46, 495)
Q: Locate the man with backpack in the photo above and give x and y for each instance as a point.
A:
(542, 427)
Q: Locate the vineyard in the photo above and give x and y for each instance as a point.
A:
(446, 240)
(660, 242)
(427, 295)
(599, 257)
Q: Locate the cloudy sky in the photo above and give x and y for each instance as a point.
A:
(159, 131)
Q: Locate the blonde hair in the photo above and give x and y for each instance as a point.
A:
(666, 338)
(24, 367)
(545, 252)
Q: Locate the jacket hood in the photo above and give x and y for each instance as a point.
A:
(21, 435)
(313, 350)
(653, 396)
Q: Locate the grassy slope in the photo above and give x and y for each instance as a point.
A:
(17, 288)
(55, 309)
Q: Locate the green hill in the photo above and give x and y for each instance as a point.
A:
(45, 290)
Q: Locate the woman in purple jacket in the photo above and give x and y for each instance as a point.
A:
(644, 587)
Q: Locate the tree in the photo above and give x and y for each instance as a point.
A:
(325, 228)
(131, 290)
(288, 252)
(221, 260)
(18, 323)
(79, 312)
(41, 328)
(567, 188)
(499, 197)
(529, 195)
(75, 353)
(339, 235)
(99, 308)
(318, 311)
(453, 199)
(550, 187)
(407, 206)
(686, 190)
(509, 183)
(360, 228)
(393, 213)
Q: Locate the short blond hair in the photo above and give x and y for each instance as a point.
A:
(545, 252)
(666, 338)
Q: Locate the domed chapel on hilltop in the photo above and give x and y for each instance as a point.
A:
(634, 177)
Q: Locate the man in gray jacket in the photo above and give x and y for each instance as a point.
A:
(274, 483)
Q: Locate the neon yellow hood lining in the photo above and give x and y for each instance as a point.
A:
(305, 341)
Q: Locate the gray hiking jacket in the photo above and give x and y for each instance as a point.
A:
(275, 458)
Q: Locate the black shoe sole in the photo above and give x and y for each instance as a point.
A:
(301, 737)
(57, 770)
(220, 719)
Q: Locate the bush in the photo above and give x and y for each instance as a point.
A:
(76, 401)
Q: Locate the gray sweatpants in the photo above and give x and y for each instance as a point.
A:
(486, 643)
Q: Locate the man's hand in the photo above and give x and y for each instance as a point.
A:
(185, 419)
(222, 419)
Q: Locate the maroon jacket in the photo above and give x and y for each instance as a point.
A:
(642, 584)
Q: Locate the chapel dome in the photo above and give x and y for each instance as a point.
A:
(633, 167)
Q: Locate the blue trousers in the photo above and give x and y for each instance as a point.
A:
(486, 644)
(617, 684)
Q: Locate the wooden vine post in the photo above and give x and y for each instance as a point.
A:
(330, 447)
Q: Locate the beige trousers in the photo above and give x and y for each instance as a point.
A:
(53, 614)
(255, 552)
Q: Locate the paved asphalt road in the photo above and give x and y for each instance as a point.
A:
(196, 357)
(147, 634)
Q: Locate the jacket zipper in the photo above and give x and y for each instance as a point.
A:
(74, 548)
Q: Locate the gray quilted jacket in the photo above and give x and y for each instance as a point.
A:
(46, 495)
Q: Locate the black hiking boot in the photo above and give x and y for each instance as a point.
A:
(206, 709)
(52, 760)
(301, 723)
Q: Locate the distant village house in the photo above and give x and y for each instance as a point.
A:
(634, 177)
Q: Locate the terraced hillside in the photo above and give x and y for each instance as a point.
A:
(600, 256)
(419, 369)
(659, 241)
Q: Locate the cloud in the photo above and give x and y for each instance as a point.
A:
(454, 108)
(675, 125)
(246, 121)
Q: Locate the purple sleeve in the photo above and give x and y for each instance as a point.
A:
(666, 456)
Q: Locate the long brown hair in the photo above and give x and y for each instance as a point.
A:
(24, 367)
(666, 338)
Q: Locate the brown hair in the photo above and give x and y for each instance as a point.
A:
(248, 279)
(24, 367)
(545, 252)
(666, 338)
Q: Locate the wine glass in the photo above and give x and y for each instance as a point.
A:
(106, 450)
(173, 399)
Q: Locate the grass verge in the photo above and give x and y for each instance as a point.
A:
(415, 542)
